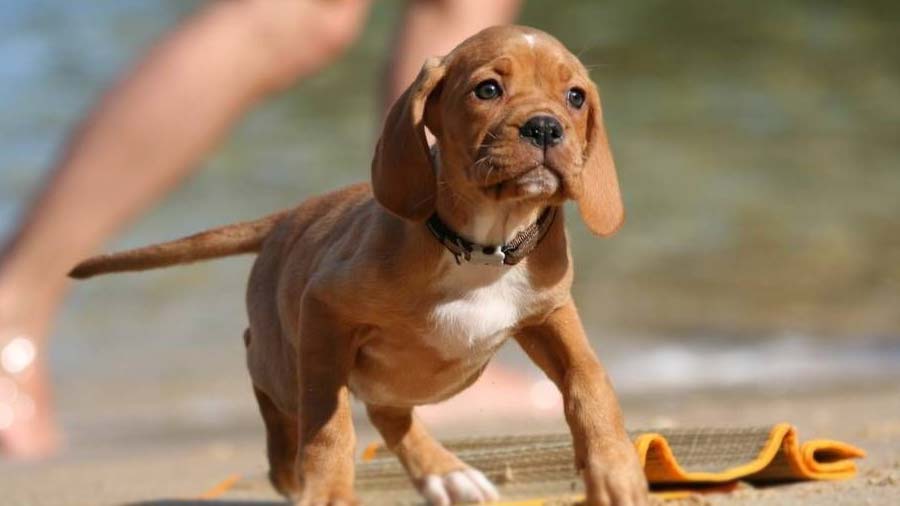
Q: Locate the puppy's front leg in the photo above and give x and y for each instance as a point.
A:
(603, 451)
(327, 440)
(439, 475)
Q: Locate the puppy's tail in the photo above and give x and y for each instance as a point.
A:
(235, 239)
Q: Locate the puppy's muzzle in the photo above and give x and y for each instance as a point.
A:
(542, 131)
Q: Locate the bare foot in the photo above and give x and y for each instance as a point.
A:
(27, 426)
(28, 429)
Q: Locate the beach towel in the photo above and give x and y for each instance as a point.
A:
(533, 470)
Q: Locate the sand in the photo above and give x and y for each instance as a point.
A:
(171, 468)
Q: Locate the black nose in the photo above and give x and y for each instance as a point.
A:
(542, 131)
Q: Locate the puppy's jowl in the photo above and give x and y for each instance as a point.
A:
(399, 292)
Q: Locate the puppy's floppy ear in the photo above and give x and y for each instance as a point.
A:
(600, 202)
(403, 178)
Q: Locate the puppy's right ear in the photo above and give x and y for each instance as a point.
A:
(403, 178)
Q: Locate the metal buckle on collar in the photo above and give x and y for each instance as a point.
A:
(489, 255)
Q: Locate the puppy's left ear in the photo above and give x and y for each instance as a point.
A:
(600, 202)
(403, 178)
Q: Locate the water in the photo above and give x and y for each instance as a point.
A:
(784, 364)
(757, 147)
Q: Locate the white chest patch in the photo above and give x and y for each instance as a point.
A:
(483, 304)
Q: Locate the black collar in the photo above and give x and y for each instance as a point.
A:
(510, 253)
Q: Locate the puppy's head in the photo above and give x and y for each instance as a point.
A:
(518, 121)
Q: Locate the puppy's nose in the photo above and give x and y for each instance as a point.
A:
(542, 131)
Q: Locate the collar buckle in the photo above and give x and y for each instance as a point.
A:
(488, 255)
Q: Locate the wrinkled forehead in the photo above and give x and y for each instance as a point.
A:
(513, 50)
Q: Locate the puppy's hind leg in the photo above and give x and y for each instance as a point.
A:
(281, 441)
(281, 446)
(439, 475)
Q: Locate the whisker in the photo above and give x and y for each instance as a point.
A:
(491, 166)
(595, 66)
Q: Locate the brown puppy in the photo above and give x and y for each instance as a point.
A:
(353, 292)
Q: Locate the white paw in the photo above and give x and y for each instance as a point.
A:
(458, 487)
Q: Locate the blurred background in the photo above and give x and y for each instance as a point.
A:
(757, 144)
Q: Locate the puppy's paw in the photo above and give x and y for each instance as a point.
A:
(616, 479)
(322, 496)
(326, 501)
(463, 486)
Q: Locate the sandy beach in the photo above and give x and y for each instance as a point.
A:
(165, 463)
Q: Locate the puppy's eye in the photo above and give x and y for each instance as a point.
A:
(575, 97)
(488, 90)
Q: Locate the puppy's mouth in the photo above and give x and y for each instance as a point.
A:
(539, 181)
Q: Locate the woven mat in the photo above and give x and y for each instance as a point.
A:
(538, 469)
